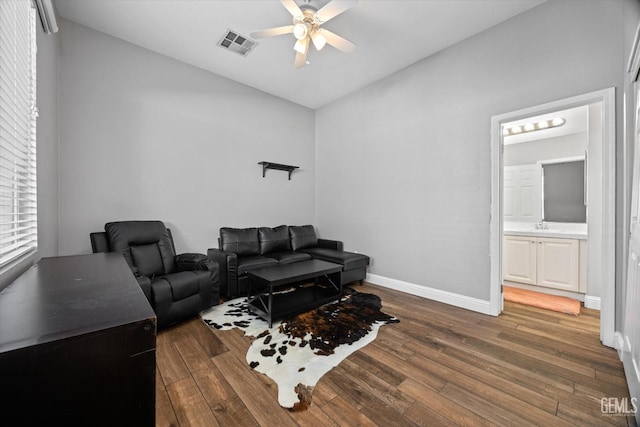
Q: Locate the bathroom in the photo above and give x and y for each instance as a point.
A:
(550, 201)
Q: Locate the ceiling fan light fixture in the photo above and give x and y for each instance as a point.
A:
(301, 46)
(318, 40)
(301, 30)
(307, 19)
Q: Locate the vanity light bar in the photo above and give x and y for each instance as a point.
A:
(532, 127)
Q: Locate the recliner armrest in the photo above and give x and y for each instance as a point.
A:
(145, 285)
(228, 271)
(195, 261)
(191, 261)
(99, 242)
(330, 244)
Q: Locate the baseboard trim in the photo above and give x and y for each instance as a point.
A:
(619, 344)
(462, 301)
(592, 302)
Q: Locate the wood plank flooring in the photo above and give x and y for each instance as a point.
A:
(440, 366)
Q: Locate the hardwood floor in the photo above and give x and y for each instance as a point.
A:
(440, 366)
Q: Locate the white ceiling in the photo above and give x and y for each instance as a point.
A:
(389, 35)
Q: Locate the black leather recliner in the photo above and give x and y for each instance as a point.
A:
(177, 286)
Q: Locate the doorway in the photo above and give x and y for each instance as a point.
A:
(601, 217)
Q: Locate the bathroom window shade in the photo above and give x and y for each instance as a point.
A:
(18, 201)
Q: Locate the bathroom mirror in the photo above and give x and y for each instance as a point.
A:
(563, 192)
(544, 168)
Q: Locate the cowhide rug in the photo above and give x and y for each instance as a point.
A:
(297, 352)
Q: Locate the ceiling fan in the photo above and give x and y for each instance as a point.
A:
(307, 19)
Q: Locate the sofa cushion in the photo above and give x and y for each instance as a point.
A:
(289, 257)
(241, 241)
(302, 237)
(253, 262)
(274, 239)
(349, 260)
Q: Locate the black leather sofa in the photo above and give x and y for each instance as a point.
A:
(242, 249)
(177, 286)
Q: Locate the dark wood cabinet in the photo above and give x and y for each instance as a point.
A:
(77, 345)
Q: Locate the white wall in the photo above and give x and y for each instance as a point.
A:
(406, 160)
(143, 136)
(531, 152)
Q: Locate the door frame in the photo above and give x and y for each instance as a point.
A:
(607, 279)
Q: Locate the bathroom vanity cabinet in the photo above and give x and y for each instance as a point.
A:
(545, 261)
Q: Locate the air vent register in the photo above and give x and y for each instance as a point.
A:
(236, 43)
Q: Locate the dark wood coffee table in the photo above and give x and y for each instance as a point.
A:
(264, 281)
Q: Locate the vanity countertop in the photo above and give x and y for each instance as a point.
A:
(555, 230)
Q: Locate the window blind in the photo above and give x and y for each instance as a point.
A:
(18, 196)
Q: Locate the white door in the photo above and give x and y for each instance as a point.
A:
(519, 263)
(522, 193)
(631, 321)
(558, 263)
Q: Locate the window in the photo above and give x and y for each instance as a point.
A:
(18, 201)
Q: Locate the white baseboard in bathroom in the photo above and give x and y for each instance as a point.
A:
(592, 302)
(462, 301)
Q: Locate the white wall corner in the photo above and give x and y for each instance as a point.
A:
(457, 300)
(592, 302)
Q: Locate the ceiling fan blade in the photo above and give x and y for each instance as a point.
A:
(301, 58)
(334, 8)
(292, 7)
(336, 41)
(287, 29)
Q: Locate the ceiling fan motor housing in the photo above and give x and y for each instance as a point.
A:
(305, 24)
(313, 5)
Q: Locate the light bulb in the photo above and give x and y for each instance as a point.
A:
(318, 40)
(529, 127)
(300, 30)
(516, 129)
(542, 124)
(301, 46)
(558, 121)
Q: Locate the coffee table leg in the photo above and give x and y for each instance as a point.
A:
(337, 287)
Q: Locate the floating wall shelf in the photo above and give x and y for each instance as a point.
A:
(277, 166)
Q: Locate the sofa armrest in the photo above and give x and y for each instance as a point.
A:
(330, 244)
(228, 270)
